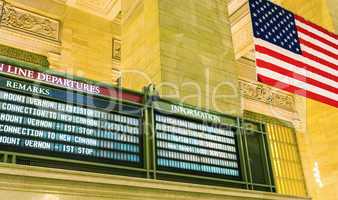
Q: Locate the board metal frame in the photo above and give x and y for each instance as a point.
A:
(149, 169)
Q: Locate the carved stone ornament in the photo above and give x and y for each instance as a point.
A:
(116, 49)
(1, 7)
(29, 22)
(267, 95)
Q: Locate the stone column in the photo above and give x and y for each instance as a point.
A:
(184, 47)
(140, 62)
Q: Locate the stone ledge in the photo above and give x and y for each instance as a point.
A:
(64, 182)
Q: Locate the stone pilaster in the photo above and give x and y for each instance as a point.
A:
(185, 50)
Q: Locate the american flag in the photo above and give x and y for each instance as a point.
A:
(294, 54)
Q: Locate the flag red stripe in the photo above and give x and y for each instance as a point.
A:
(315, 36)
(319, 60)
(280, 70)
(315, 26)
(294, 62)
(296, 90)
(317, 48)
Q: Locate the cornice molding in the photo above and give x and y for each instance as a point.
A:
(130, 11)
(108, 9)
(241, 28)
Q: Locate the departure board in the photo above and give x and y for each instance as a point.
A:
(187, 145)
(50, 121)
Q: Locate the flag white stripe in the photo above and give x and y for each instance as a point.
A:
(317, 32)
(319, 54)
(296, 56)
(296, 83)
(298, 70)
(317, 43)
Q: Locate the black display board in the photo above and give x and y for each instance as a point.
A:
(186, 144)
(50, 121)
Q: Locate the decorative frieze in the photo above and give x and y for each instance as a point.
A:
(18, 19)
(267, 95)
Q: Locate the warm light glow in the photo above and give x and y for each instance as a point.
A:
(316, 175)
(50, 197)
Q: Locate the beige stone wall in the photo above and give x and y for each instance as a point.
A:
(319, 143)
(197, 57)
(185, 50)
(333, 8)
(184, 47)
(140, 62)
(85, 46)
(315, 10)
(316, 123)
